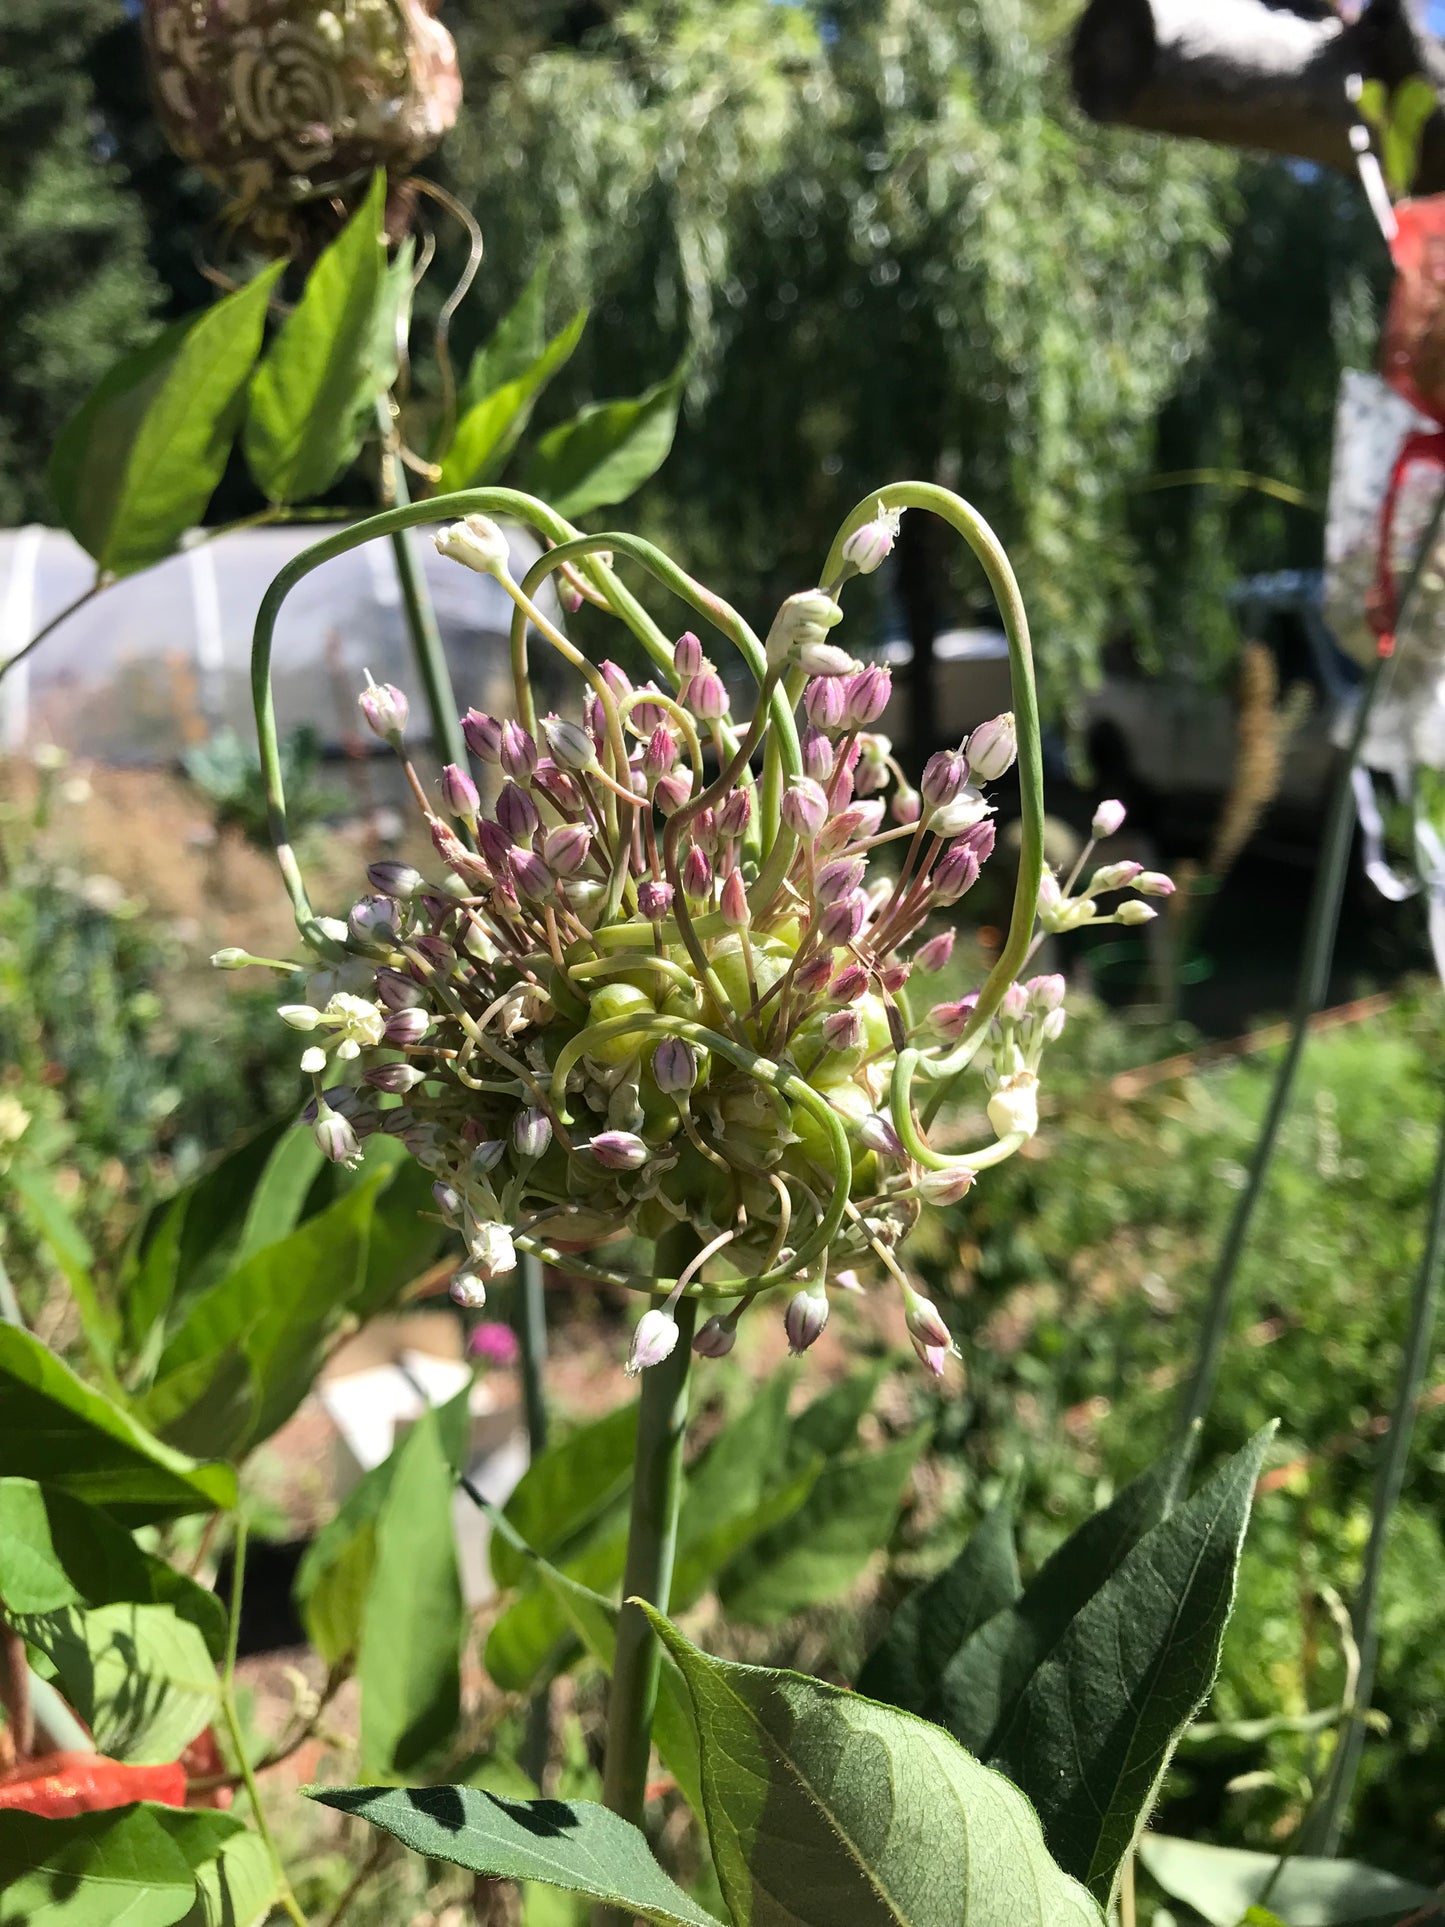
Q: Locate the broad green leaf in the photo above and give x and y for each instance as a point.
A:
(304, 422)
(56, 1551)
(248, 1349)
(393, 315)
(139, 1676)
(982, 1682)
(279, 1197)
(492, 425)
(335, 1571)
(573, 1844)
(409, 1662)
(823, 1807)
(830, 1424)
(405, 1236)
(115, 1869)
(71, 1250)
(236, 1884)
(135, 467)
(55, 1428)
(905, 1667)
(1220, 1883)
(820, 1551)
(514, 344)
(1097, 1724)
(744, 1459)
(566, 1489)
(607, 451)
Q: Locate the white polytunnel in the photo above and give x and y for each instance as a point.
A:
(159, 661)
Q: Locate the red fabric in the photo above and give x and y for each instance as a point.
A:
(1383, 607)
(1412, 361)
(57, 1785)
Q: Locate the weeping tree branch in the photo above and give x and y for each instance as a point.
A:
(1246, 73)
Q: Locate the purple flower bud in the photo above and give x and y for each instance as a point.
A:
(1045, 993)
(334, 1137)
(716, 1338)
(674, 1065)
(654, 1339)
(654, 899)
(687, 655)
(735, 813)
(805, 1318)
(734, 901)
(850, 983)
(993, 748)
(488, 1155)
(817, 755)
(843, 1030)
(876, 1133)
(395, 991)
(557, 786)
(616, 679)
(516, 813)
(705, 696)
(944, 775)
(814, 975)
(531, 875)
(406, 1028)
(697, 873)
(565, 849)
(398, 880)
(531, 1132)
(955, 872)
(840, 878)
(448, 1201)
(906, 807)
(483, 735)
(594, 719)
(647, 716)
(673, 790)
(805, 806)
(935, 953)
(953, 1019)
(1108, 819)
(571, 746)
(436, 952)
(925, 1322)
(398, 1079)
(518, 754)
(894, 976)
(385, 709)
(867, 696)
(824, 700)
(1014, 1005)
(660, 754)
(704, 831)
(842, 922)
(947, 1187)
(494, 844)
(459, 793)
(619, 1150)
(373, 920)
(868, 546)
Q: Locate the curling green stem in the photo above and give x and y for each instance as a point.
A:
(421, 622)
(651, 1550)
(913, 1141)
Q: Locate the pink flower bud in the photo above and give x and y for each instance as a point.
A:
(494, 1343)
(398, 880)
(531, 1132)
(1045, 993)
(953, 1019)
(654, 1339)
(697, 873)
(531, 875)
(673, 790)
(734, 901)
(893, 977)
(397, 1079)
(518, 752)
(877, 1133)
(955, 872)
(660, 754)
(654, 899)
(385, 708)
(334, 1137)
(619, 1151)
(824, 700)
(868, 546)
(687, 655)
(704, 831)
(842, 922)
(459, 793)
(557, 786)
(817, 755)
(1154, 883)
(716, 1338)
(495, 843)
(947, 1187)
(705, 696)
(843, 1030)
(867, 696)
(805, 1317)
(566, 848)
(1108, 819)
(572, 748)
(935, 953)
(647, 716)
(674, 1065)
(814, 975)
(396, 992)
(805, 806)
(1014, 1006)
(839, 878)
(993, 748)
(925, 1322)
(944, 775)
(517, 813)
(616, 679)
(406, 1028)
(436, 952)
(849, 984)
(483, 735)
(906, 807)
(373, 921)
(1114, 876)
(735, 813)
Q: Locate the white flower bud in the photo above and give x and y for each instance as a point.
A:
(868, 546)
(1135, 912)
(802, 624)
(1014, 1106)
(654, 1339)
(491, 1248)
(477, 543)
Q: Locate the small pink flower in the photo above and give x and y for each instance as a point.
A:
(494, 1344)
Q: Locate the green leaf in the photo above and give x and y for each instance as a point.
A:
(514, 345)
(409, 1663)
(334, 1575)
(114, 1869)
(823, 1807)
(830, 1424)
(492, 426)
(56, 1551)
(71, 1250)
(820, 1551)
(1098, 1722)
(280, 1192)
(236, 1884)
(305, 422)
(607, 451)
(249, 1347)
(405, 1236)
(572, 1844)
(566, 1489)
(136, 465)
(905, 1667)
(1222, 1882)
(139, 1676)
(982, 1682)
(393, 316)
(55, 1428)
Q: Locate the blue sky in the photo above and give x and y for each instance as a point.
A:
(1436, 12)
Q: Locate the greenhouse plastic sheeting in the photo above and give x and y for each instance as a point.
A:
(160, 660)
